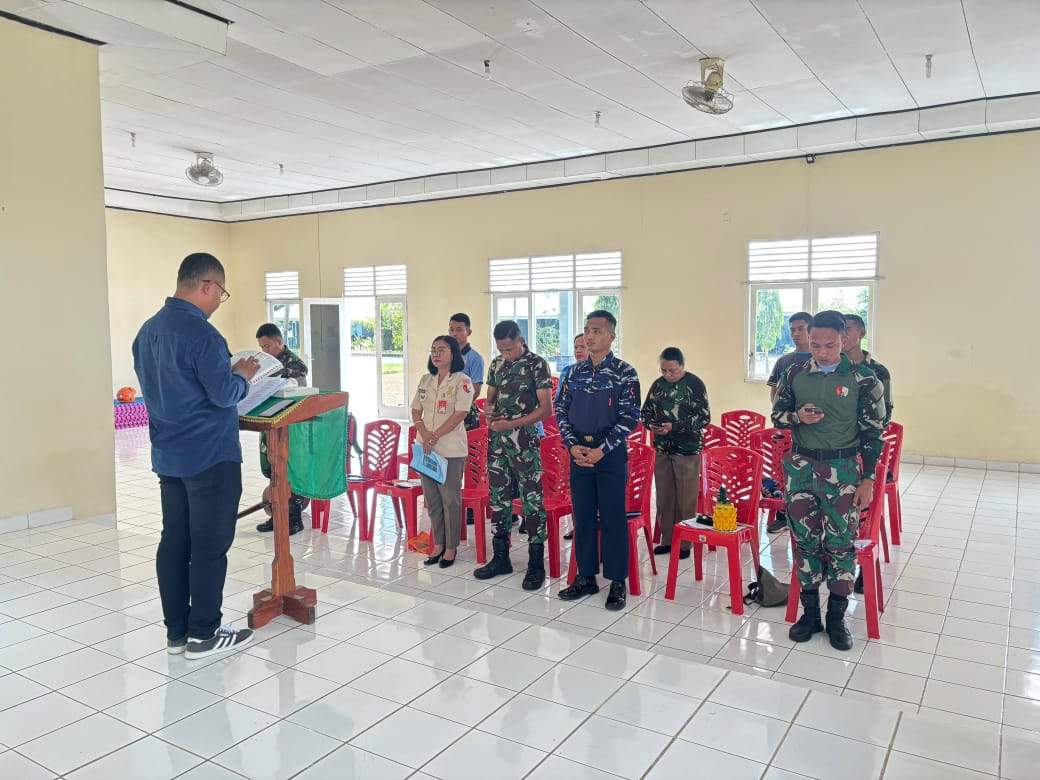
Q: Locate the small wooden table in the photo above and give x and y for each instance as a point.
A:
(283, 597)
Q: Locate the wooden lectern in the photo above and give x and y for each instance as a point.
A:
(283, 597)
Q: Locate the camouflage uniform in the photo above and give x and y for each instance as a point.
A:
(514, 456)
(821, 483)
(885, 377)
(292, 368)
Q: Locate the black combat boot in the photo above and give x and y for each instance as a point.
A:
(858, 587)
(809, 623)
(841, 639)
(266, 527)
(535, 577)
(499, 563)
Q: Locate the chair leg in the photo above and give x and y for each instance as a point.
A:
(353, 502)
(884, 540)
(411, 514)
(650, 549)
(657, 531)
(698, 559)
(895, 513)
(572, 567)
(478, 530)
(398, 509)
(673, 567)
(736, 580)
(870, 601)
(793, 592)
(880, 586)
(366, 531)
(756, 544)
(633, 561)
(552, 527)
(463, 530)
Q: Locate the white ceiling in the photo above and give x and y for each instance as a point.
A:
(350, 92)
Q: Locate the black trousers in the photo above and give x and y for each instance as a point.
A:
(191, 563)
(598, 496)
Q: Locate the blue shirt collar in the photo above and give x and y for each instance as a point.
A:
(186, 306)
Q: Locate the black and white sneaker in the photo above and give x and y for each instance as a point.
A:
(176, 646)
(226, 639)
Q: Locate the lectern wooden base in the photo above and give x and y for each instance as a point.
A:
(300, 605)
(283, 597)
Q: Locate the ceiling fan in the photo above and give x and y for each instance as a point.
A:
(707, 95)
(203, 172)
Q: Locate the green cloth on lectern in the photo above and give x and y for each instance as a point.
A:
(317, 455)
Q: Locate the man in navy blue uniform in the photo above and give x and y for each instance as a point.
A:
(598, 408)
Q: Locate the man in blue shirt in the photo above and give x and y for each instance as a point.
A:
(460, 330)
(192, 392)
(599, 407)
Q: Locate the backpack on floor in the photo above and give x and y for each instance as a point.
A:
(768, 591)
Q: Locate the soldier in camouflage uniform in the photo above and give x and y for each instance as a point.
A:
(856, 330)
(836, 412)
(269, 337)
(518, 396)
(676, 410)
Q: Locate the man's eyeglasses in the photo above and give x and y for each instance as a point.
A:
(225, 296)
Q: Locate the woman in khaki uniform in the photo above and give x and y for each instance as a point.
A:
(439, 409)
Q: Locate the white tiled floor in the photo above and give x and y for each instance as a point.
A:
(417, 673)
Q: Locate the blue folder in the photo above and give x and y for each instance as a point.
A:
(432, 465)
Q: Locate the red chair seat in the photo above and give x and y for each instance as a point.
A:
(699, 536)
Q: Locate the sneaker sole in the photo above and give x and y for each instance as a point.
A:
(188, 654)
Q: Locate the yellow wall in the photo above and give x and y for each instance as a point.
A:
(56, 419)
(144, 252)
(954, 306)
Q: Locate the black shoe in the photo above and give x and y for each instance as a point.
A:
(662, 549)
(569, 535)
(779, 524)
(447, 562)
(858, 587)
(616, 597)
(224, 640)
(499, 563)
(684, 553)
(841, 639)
(433, 559)
(580, 588)
(295, 525)
(266, 528)
(809, 623)
(535, 577)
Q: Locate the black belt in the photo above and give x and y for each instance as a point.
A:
(590, 439)
(848, 452)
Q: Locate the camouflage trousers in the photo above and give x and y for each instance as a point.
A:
(823, 521)
(515, 471)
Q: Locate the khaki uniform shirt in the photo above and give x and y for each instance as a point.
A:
(437, 404)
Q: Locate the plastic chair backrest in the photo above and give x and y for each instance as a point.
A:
(551, 426)
(894, 434)
(379, 456)
(873, 517)
(555, 468)
(739, 424)
(713, 436)
(737, 469)
(640, 478)
(639, 435)
(476, 473)
(772, 444)
(480, 403)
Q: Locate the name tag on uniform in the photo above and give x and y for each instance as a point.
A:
(442, 405)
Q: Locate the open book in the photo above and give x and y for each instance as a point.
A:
(268, 365)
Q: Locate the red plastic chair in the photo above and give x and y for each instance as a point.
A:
(481, 402)
(870, 527)
(378, 462)
(639, 435)
(637, 508)
(739, 470)
(551, 426)
(476, 496)
(740, 424)
(712, 436)
(894, 437)
(772, 444)
(405, 498)
(556, 495)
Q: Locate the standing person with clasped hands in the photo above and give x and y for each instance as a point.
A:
(439, 410)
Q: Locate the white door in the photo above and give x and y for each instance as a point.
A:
(326, 342)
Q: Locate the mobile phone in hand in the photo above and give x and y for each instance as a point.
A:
(812, 409)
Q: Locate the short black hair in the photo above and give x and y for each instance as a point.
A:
(457, 361)
(804, 316)
(268, 331)
(857, 319)
(460, 317)
(673, 353)
(578, 336)
(830, 319)
(603, 314)
(196, 267)
(507, 329)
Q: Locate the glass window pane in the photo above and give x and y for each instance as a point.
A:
(391, 339)
(772, 334)
(554, 332)
(513, 308)
(848, 299)
(287, 317)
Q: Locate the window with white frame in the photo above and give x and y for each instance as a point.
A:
(549, 297)
(283, 304)
(805, 274)
(376, 306)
